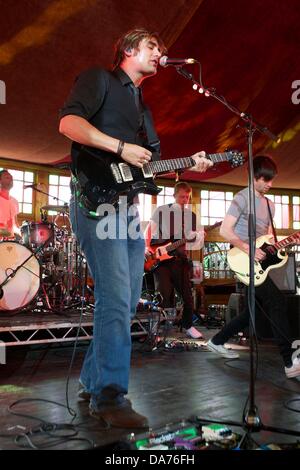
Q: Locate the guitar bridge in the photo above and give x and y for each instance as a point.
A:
(125, 172)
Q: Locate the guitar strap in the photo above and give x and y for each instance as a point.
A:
(271, 219)
(152, 137)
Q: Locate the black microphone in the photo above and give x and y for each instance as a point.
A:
(164, 61)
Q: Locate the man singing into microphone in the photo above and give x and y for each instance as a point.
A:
(9, 207)
(105, 111)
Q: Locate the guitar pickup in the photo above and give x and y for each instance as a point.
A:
(116, 173)
(125, 172)
(147, 171)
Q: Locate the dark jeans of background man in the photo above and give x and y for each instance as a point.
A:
(176, 273)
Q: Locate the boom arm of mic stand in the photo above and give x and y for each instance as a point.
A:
(50, 195)
(212, 92)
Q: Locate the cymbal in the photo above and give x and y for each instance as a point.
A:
(64, 208)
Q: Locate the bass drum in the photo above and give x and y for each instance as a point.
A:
(23, 287)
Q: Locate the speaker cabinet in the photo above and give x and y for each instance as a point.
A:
(235, 306)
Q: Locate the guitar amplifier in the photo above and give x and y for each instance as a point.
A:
(285, 277)
(236, 304)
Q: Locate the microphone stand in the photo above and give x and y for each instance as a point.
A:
(251, 419)
(48, 194)
(44, 216)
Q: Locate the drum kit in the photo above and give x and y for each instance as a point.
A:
(43, 269)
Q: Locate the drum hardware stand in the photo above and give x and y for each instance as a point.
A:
(154, 324)
(156, 315)
(13, 272)
(251, 419)
(69, 296)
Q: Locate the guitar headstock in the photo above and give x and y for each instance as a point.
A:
(235, 158)
(207, 228)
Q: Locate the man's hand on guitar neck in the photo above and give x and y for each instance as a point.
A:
(202, 163)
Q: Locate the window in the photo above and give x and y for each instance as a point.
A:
(165, 196)
(59, 190)
(214, 205)
(296, 212)
(146, 208)
(22, 195)
(281, 217)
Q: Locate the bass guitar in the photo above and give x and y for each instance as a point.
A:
(238, 260)
(163, 252)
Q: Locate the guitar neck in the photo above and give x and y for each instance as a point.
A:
(291, 240)
(164, 166)
(173, 164)
(182, 241)
(176, 245)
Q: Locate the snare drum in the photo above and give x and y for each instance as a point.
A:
(35, 234)
(24, 285)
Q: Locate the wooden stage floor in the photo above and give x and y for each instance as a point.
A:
(167, 385)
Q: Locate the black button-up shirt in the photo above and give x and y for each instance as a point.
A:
(105, 100)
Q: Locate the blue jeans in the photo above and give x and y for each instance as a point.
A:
(116, 266)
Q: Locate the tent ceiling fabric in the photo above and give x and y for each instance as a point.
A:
(248, 50)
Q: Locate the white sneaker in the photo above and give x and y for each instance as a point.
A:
(294, 370)
(219, 349)
(193, 333)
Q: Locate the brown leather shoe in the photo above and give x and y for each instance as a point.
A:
(120, 416)
(82, 393)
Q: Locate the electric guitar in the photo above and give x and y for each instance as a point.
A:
(163, 252)
(238, 260)
(102, 177)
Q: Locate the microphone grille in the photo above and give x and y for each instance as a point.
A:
(163, 61)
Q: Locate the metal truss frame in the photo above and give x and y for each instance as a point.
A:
(61, 331)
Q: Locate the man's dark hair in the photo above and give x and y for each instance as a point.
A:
(2, 172)
(264, 167)
(131, 40)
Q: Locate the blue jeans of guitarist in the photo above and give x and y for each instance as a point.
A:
(273, 302)
(116, 265)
